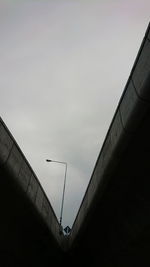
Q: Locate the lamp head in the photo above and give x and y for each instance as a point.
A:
(48, 160)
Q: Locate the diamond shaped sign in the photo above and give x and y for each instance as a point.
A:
(67, 230)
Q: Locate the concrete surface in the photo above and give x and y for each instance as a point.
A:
(112, 227)
(28, 222)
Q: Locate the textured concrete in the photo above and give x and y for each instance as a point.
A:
(29, 231)
(113, 222)
(112, 227)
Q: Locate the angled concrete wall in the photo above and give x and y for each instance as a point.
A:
(131, 110)
(28, 224)
(13, 161)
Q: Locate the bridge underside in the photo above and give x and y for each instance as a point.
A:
(25, 240)
(117, 232)
(112, 227)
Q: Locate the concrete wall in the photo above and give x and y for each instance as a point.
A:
(133, 105)
(14, 165)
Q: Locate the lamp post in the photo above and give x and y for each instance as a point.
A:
(63, 193)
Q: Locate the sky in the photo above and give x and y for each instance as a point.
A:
(63, 67)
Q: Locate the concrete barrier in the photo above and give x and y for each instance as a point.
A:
(14, 163)
(132, 108)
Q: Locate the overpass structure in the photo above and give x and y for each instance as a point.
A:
(112, 227)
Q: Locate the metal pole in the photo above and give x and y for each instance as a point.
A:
(63, 194)
(64, 186)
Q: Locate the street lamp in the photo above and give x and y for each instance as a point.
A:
(63, 194)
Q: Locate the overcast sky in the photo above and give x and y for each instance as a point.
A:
(63, 67)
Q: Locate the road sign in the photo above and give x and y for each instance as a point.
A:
(67, 230)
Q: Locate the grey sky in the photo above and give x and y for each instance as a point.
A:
(63, 67)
